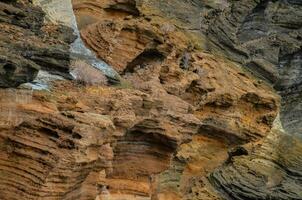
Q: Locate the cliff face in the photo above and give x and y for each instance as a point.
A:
(28, 45)
(197, 115)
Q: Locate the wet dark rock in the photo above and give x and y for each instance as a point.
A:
(15, 70)
(28, 17)
(53, 60)
(31, 44)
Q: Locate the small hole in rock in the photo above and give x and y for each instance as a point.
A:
(9, 68)
(76, 136)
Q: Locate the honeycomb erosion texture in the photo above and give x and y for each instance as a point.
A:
(209, 107)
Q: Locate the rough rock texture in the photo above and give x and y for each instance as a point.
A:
(61, 145)
(168, 126)
(271, 171)
(258, 34)
(15, 70)
(27, 44)
(190, 119)
(144, 38)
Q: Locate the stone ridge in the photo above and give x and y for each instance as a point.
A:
(263, 36)
(186, 122)
(159, 135)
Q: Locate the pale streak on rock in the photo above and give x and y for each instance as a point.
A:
(166, 135)
(61, 12)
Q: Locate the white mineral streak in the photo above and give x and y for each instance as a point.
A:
(61, 12)
(42, 81)
(277, 125)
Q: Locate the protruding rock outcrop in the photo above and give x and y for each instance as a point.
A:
(185, 122)
(28, 44)
(155, 44)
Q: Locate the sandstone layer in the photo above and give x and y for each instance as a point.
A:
(264, 36)
(193, 118)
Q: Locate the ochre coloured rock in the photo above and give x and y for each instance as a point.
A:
(197, 115)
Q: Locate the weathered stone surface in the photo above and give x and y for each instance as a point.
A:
(183, 124)
(266, 37)
(142, 39)
(15, 70)
(122, 138)
(157, 138)
(258, 34)
(27, 17)
(270, 171)
(30, 41)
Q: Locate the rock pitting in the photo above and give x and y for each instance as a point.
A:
(208, 106)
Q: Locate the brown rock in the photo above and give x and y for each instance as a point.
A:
(184, 124)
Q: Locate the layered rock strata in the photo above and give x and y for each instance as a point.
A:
(27, 44)
(185, 123)
(264, 36)
(61, 12)
(67, 144)
(158, 136)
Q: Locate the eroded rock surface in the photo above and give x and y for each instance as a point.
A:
(28, 44)
(139, 143)
(264, 36)
(188, 120)
(158, 136)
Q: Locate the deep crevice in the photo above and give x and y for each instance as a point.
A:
(147, 57)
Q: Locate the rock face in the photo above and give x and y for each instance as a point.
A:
(271, 171)
(63, 145)
(260, 34)
(264, 36)
(191, 119)
(15, 70)
(27, 45)
(61, 12)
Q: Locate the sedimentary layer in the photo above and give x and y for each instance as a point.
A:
(208, 106)
(27, 44)
(263, 36)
